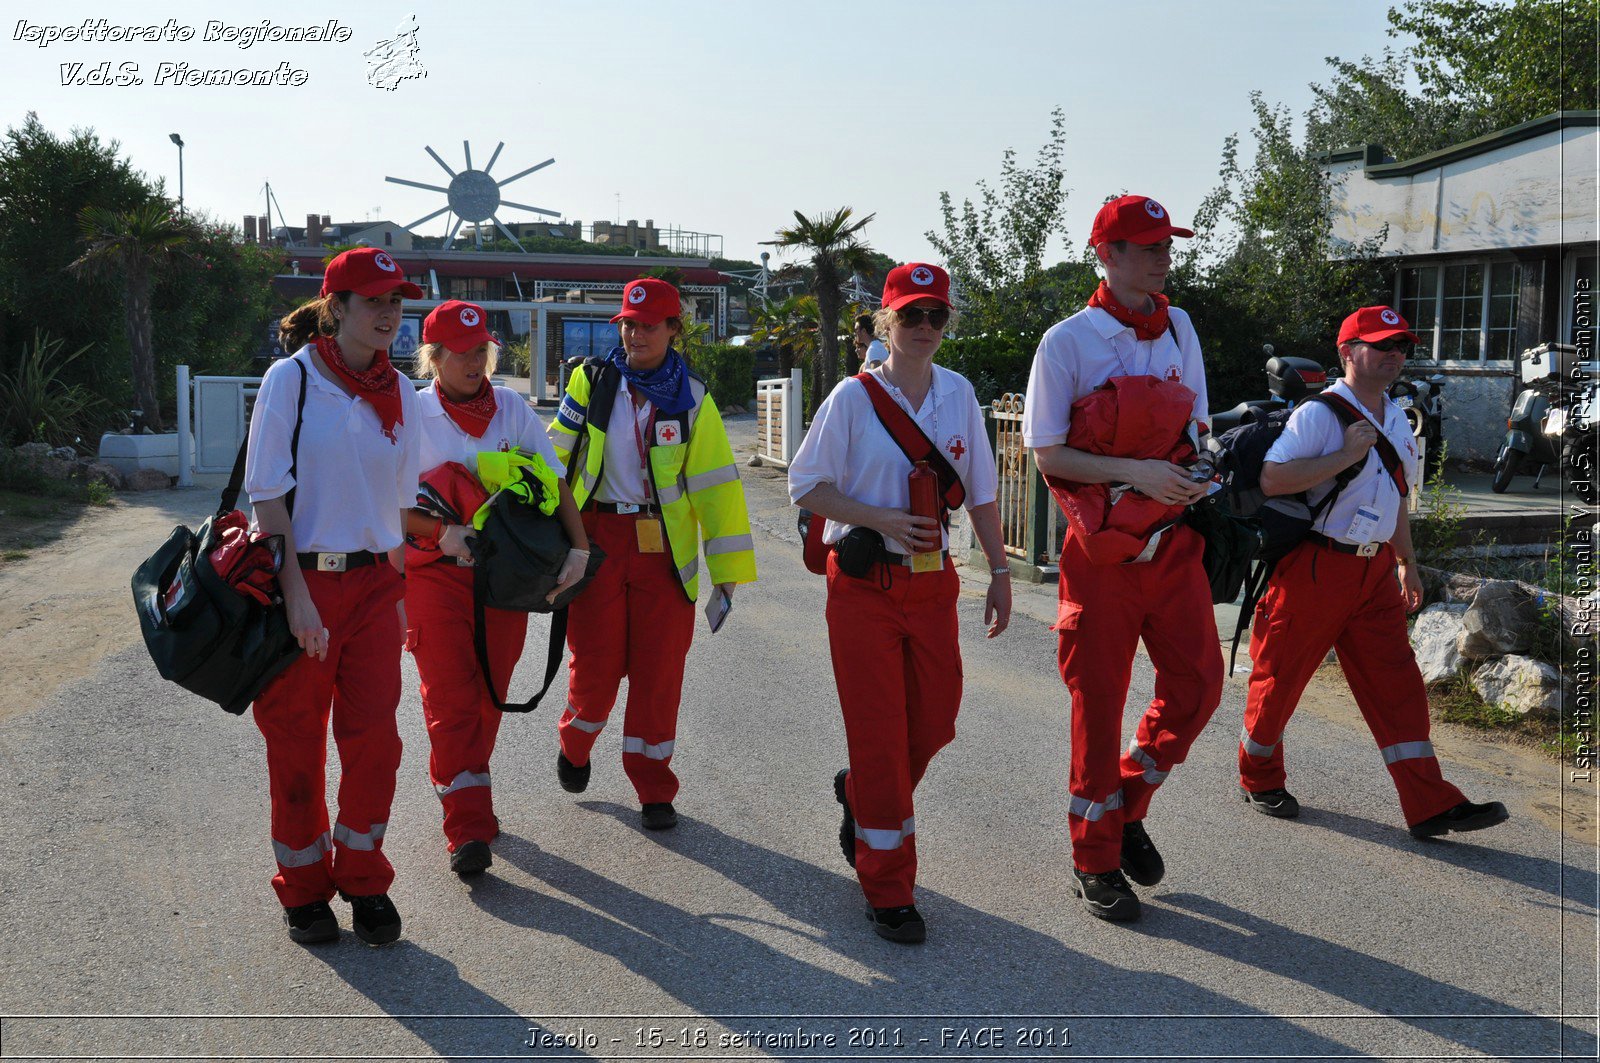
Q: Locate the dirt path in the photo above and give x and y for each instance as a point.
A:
(67, 604)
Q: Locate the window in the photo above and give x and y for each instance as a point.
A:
(472, 289)
(586, 339)
(1462, 310)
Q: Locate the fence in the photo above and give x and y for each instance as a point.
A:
(1029, 519)
(778, 412)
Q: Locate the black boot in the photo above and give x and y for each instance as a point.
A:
(375, 918)
(1463, 817)
(1107, 896)
(310, 924)
(847, 826)
(1140, 859)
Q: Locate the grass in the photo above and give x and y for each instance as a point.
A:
(33, 518)
(1456, 701)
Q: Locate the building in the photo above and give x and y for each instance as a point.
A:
(320, 231)
(1494, 241)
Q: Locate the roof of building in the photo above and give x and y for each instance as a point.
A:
(1376, 163)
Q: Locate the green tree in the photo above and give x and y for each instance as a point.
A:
(833, 241)
(790, 325)
(995, 249)
(134, 245)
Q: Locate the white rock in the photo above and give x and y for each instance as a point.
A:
(1521, 684)
(1434, 639)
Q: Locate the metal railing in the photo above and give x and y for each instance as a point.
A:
(1029, 520)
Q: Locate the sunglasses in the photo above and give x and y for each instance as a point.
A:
(1389, 346)
(912, 316)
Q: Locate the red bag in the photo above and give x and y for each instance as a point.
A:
(451, 492)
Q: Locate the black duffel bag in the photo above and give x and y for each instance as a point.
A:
(517, 557)
(203, 634)
(1231, 546)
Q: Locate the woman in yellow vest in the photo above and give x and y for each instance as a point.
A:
(651, 469)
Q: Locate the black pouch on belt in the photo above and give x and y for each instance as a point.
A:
(858, 551)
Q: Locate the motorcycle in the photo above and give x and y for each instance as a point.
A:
(1422, 401)
(1290, 380)
(1553, 421)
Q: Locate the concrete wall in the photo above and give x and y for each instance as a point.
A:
(1535, 192)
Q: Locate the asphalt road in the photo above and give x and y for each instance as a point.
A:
(136, 919)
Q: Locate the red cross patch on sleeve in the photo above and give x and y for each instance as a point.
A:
(666, 434)
(956, 446)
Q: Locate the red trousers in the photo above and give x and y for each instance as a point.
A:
(462, 719)
(632, 620)
(897, 663)
(359, 684)
(1319, 599)
(1104, 611)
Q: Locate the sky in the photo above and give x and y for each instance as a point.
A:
(717, 117)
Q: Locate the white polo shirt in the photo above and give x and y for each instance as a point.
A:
(848, 446)
(352, 481)
(1314, 431)
(876, 354)
(1090, 347)
(513, 425)
(622, 474)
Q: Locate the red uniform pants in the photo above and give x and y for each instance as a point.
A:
(632, 620)
(1104, 611)
(1319, 599)
(897, 663)
(462, 719)
(359, 683)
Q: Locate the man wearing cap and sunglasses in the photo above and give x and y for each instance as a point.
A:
(1348, 586)
(1127, 330)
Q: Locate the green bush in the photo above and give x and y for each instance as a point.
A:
(37, 406)
(729, 372)
(995, 362)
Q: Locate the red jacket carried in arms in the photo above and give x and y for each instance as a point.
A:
(1126, 417)
(451, 492)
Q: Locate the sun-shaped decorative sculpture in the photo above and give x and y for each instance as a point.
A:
(474, 196)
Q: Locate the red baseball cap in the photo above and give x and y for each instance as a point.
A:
(1137, 219)
(649, 301)
(367, 271)
(1375, 323)
(915, 280)
(458, 325)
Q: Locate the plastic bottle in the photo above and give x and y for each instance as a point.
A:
(924, 483)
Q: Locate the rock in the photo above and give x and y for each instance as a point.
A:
(1500, 620)
(149, 480)
(64, 454)
(1434, 639)
(1521, 684)
(33, 452)
(99, 470)
(1460, 587)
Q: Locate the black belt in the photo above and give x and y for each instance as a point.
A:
(333, 562)
(643, 509)
(1359, 549)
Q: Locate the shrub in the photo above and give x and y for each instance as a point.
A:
(995, 362)
(729, 372)
(36, 406)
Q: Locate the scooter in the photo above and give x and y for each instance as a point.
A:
(1290, 380)
(1422, 401)
(1553, 421)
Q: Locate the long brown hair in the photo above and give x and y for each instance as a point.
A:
(309, 320)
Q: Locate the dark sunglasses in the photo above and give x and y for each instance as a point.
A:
(1388, 346)
(911, 316)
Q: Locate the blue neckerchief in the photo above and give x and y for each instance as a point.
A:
(667, 385)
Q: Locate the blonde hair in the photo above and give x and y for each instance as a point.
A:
(430, 355)
(883, 317)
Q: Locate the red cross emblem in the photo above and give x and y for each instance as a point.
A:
(956, 447)
(666, 433)
(1174, 373)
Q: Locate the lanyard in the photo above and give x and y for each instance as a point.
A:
(644, 448)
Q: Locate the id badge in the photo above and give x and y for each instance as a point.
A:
(1364, 526)
(649, 535)
(932, 561)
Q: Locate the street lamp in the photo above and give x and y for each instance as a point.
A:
(176, 139)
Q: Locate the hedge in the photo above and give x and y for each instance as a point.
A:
(729, 372)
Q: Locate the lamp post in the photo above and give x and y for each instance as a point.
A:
(176, 139)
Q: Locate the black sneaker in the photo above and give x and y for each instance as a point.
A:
(574, 780)
(1107, 896)
(847, 826)
(658, 815)
(472, 858)
(310, 924)
(1279, 802)
(1140, 859)
(904, 926)
(1465, 816)
(375, 919)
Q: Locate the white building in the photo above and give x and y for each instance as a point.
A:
(1496, 242)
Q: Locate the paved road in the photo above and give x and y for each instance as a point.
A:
(134, 863)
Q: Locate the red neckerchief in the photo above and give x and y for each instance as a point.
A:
(472, 416)
(379, 384)
(1145, 326)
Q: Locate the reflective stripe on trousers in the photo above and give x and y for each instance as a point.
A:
(1152, 775)
(288, 857)
(1406, 751)
(462, 781)
(887, 839)
(366, 841)
(660, 751)
(1254, 748)
(1084, 808)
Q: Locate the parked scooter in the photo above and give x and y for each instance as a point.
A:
(1422, 401)
(1290, 380)
(1553, 421)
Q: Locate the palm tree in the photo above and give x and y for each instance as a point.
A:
(836, 253)
(791, 327)
(134, 244)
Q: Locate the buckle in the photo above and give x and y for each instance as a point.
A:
(1367, 549)
(627, 507)
(332, 562)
